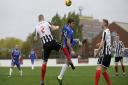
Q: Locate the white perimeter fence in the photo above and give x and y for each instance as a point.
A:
(53, 62)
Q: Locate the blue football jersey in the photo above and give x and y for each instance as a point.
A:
(15, 55)
(68, 34)
(32, 55)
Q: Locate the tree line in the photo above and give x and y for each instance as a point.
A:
(7, 44)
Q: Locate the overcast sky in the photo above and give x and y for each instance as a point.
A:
(19, 17)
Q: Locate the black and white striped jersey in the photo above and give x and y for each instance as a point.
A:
(117, 47)
(43, 29)
(106, 38)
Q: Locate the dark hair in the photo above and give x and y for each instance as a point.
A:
(70, 21)
(106, 21)
(40, 17)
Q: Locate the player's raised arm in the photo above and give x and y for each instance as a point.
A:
(53, 27)
(20, 56)
(35, 55)
(62, 35)
(29, 55)
(36, 35)
(101, 44)
(12, 54)
(70, 46)
(122, 45)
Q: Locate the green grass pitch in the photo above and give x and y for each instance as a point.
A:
(80, 76)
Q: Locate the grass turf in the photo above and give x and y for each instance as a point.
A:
(80, 76)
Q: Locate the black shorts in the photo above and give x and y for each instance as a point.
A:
(104, 60)
(48, 47)
(117, 59)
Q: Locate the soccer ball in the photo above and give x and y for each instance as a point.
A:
(68, 2)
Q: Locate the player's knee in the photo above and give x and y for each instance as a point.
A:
(98, 68)
(12, 66)
(116, 63)
(45, 61)
(67, 63)
(122, 64)
(19, 67)
(104, 69)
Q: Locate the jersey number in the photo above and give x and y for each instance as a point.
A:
(42, 29)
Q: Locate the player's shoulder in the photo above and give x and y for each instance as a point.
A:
(37, 26)
(65, 28)
(46, 23)
(114, 41)
(32, 52)
(107, 30)
(13, 49)
(40, 23)
(120, 41)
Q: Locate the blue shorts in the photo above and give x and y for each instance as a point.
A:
(15, 63)
(32, 61)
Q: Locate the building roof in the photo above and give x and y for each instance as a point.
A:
(86, 17)
(123, 25)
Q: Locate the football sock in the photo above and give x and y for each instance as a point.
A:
(32, 66)
(97, 76)
(10, 72)
(116, 69)
(64, 68)
(106, 77)
(66, 52)
(123, 68)
(43, 71)
(21, 72)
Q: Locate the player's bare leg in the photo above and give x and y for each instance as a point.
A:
(116, 69)
(123, 67)
(20, 70)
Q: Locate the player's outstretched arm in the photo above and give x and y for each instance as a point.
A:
(123, 47)
(62, 37)
(53, 27)
(12, 55)
(99, 49)
(70, 46)
(36, 35)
